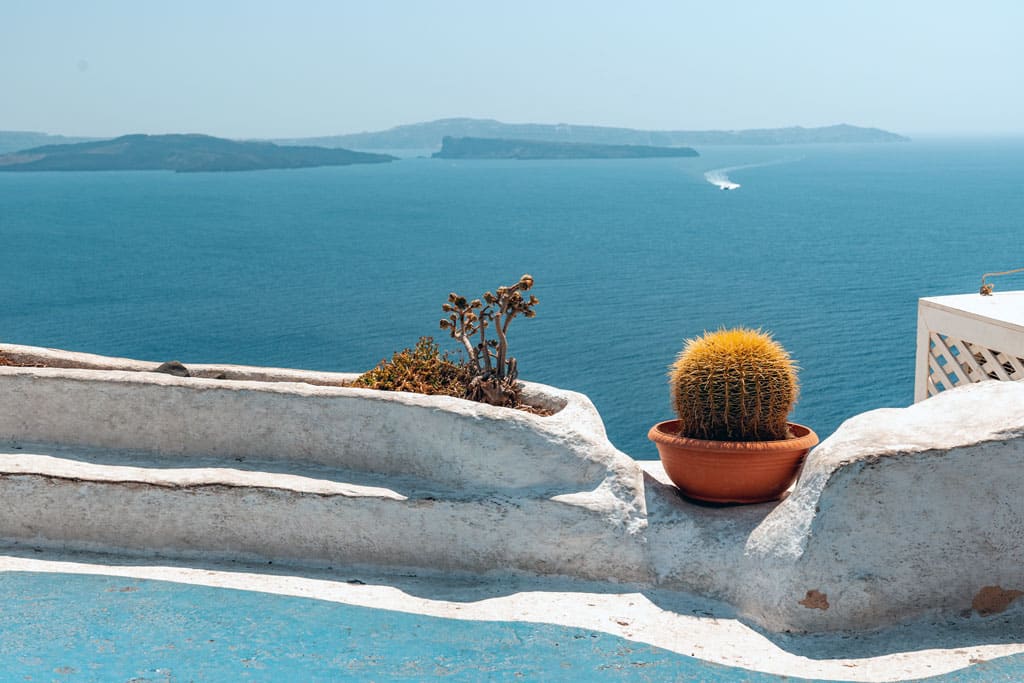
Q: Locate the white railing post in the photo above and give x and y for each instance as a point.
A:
(921, 358)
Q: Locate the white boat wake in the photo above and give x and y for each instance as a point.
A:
(719, 177)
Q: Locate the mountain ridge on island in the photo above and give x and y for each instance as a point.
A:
(14, 140)
(429, 134)
(182, 153)
(500, 148)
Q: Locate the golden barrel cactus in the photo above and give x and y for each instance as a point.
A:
(734, 385)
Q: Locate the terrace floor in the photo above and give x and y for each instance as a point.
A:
(82, 617)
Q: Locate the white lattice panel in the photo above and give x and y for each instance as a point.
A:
(968, 338)
(953, 362)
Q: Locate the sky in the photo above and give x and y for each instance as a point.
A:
(293, 69)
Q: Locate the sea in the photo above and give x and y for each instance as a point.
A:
(828, 247)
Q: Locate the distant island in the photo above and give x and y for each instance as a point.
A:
(180, 153)
(13, 140)
(429, 135)
(497, 148)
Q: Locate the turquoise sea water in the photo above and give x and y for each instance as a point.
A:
(335, 268)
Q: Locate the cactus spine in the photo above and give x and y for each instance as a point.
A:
(734, 385)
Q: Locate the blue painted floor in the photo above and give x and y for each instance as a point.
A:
(69, 627)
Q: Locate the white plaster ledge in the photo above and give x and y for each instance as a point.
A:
(901, 514)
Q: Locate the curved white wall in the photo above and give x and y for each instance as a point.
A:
(438, 438)
(900, 513)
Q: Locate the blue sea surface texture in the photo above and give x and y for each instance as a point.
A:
(828, 247)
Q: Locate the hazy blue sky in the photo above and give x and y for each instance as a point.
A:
(262, 69)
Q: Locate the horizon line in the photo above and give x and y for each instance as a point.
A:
(926, 133)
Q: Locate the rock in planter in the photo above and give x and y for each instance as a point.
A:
(173, 367)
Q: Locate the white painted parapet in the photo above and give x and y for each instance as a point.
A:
(281, 415)
(284, 466)
(967, 338)
(902, 512)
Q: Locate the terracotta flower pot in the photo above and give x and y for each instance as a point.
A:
(731, 471)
